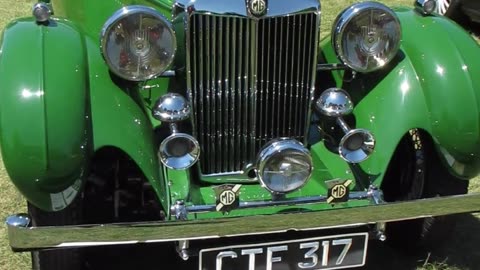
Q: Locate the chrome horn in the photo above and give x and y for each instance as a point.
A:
(178, 151)
(357, 144)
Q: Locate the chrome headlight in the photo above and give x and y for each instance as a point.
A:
(284, 165)
(138, 43)
(366, 36)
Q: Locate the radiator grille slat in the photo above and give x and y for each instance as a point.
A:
(251, 81)
(291, 71)
(233, 47)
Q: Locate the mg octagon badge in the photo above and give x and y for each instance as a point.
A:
(338, 190)
(227, 197)
(257, 7)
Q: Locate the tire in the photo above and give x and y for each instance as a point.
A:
(64, 259)
(415, 172)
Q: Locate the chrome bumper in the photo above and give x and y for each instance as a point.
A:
(23, 237)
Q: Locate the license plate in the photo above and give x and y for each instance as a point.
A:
(329, 252)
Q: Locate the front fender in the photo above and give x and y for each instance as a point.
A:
(43, 110)
(448, 69)
(119, 121)
(433, 84)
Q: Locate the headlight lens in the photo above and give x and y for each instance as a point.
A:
(284, 165)
(138, 43)
(366, 36)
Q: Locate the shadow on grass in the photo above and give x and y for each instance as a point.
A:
(459, 251)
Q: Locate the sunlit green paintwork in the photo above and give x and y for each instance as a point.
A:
(43, 109)
(425, 88)
(429, 89)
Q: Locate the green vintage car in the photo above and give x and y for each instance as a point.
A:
(227, 126)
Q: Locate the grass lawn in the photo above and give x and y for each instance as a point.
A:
(462, 253)
(10, 200)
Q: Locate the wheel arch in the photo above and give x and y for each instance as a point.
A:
(44, 124)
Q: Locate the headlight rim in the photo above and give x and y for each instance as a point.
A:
(289, 144)
(120, 15)
(346, 16)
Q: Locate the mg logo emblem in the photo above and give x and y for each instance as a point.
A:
(258, 7)
(339, 191)
(227, 197)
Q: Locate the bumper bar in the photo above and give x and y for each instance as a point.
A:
(23, 237)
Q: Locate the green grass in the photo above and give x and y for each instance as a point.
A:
(461, 254)
(10, 200)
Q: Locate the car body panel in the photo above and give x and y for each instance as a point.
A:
(91, 15)
(412, 89)
(120, 121)
(44, 116)
(119, 117)
(60, 105)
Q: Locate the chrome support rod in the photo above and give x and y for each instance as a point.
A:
(182, 249)
(328, 67)
(343, 125)
(359, 195)
(168, 73)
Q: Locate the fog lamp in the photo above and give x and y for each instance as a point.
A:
(284, 165)
(138, 43)
(366, 36)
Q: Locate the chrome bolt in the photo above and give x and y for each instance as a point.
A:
(42, 12)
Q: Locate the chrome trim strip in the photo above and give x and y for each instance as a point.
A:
(292, 71)
(168, 73)
(233, 90)
(261, 74)
(246, 90)
(238, 121)
(228, 92)
(239, 8)
(329, 67)
(268, 78)
(201, 86)
(221, 102)
(274, 82)
(298, 87)
(253, 67)
(305, 31)
(209, 90)
(314, 61)
(279, 84)
(24, 238)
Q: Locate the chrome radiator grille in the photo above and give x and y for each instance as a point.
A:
(249, 81)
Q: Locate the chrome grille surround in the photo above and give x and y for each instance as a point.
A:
(249, 79)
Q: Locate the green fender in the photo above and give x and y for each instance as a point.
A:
(121, 120)
(43, 113)
(449, 72)
(433, 85)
